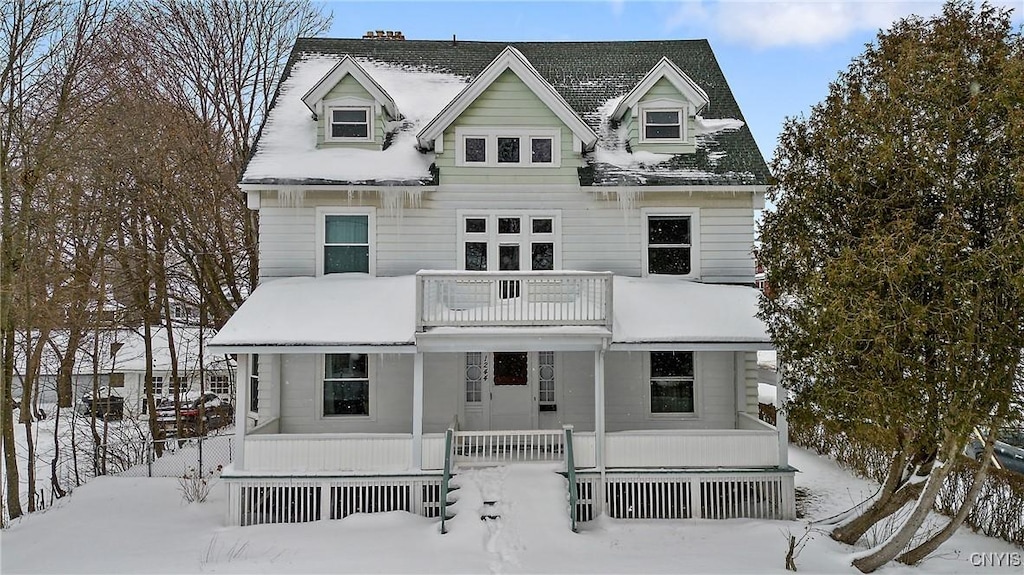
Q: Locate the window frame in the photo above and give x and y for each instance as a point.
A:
(371, 233)
(329, 122)
(664, 105)
(254, 383)
(695, 383)
(221, 379)
(695, 256)
(526, 136)
(371, 382)
(524, 239)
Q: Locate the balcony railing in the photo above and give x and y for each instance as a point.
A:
(477, 299)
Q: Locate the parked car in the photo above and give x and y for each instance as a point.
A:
(215, 413)
(1009, 449)
(107, 404)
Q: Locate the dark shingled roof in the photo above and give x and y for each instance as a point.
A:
(588, 74)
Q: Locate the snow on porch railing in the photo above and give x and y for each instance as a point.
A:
(509, 446)
(546, 298)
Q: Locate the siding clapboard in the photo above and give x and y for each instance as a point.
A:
(596, 234)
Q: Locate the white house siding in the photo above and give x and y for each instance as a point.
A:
(750, 366)
(391, 379)
(627, 394)
(597, 234)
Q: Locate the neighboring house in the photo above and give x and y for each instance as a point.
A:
(502, 240)
(120, 365)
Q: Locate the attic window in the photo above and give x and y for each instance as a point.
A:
(663, 125)
(349, 124)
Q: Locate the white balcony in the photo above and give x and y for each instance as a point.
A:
(486, 299)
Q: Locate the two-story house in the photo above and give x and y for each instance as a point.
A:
(475, 253)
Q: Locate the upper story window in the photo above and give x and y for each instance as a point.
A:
(349, 124)
(671, 241)
(346, 241)
(508, 147)
(509, 241)
(663, 125)
(663, 121)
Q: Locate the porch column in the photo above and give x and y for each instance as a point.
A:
(241, 409)
(599, 407)
(781, 424)
(417, 411)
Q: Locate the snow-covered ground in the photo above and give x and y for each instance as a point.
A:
(142, 525)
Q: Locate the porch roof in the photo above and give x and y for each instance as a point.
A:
(658, 310)
(353, 312)
(322, 313)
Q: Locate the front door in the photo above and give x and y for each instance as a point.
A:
(512, 404)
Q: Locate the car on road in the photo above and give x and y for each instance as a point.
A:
(1009, 449)
(198, 415)
(106, 405)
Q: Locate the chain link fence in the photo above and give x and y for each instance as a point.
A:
(171, 457)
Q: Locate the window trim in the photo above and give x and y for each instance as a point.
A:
(698, 409)
(371, 377)
(254, 378)
(664, 105)
(695, 256)
(526, 136)
(349, 104)
(371, 232)
(524, 239)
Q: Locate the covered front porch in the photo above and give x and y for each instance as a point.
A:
(646, 398)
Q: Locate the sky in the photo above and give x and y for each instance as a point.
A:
(778, 57)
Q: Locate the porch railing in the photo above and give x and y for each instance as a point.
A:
(509, 446)
(547, 298)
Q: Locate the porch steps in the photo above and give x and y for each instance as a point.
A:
(514, 498)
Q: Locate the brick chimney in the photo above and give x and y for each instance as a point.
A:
(383, 35)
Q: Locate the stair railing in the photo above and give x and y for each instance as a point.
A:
(570, 471)
(446, 477)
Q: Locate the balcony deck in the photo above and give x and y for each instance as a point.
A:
(487, 299)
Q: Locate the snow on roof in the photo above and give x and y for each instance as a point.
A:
(672, 310)
(615, 164)
(331, 310)
(287, 148)
(358, 310)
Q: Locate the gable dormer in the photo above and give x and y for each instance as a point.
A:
(659, 112)
(509, 118)
(350, 108)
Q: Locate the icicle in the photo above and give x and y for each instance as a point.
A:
(628, 198)
(291, 197)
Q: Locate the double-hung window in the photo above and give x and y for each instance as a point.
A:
(346, 384)
(672, 383)
(352, 124)
(671, 245)
(346, 241)
(663, 125)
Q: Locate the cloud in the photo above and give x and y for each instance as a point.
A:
(767, 24)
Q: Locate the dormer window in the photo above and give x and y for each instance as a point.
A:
(349, 124)
(663, 125)
(508, 147)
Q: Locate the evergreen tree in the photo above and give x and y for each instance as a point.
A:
(896, 255)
